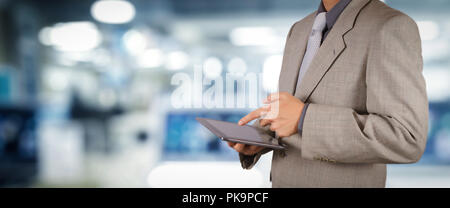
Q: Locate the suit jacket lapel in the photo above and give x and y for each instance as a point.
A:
(294, 51)
(330, 50)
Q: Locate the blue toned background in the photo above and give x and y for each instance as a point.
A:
(187, 140)
(85, 89)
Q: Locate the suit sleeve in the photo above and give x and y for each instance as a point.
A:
(394, 128)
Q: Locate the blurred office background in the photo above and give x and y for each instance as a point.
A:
(85, 89)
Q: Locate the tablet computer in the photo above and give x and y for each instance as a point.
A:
(232, 132)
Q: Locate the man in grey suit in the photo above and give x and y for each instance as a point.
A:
(351, 98)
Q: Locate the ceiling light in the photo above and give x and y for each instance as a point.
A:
(212, 67)
(176, 60)
(113, 11)
(135, 42)
(44, 36)
(74, 36)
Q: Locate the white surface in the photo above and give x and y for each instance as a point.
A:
(60, 153)
(204, 174)
(407, 176)
(230, 174)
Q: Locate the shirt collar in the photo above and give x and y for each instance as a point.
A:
(333, 14)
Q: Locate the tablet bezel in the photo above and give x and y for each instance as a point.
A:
(205, 123)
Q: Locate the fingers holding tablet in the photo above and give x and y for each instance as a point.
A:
(245, 149)
(231, 144)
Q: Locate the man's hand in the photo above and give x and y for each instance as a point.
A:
(282, 112)
(245, 149)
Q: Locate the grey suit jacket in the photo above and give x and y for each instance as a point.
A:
(368, 104)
